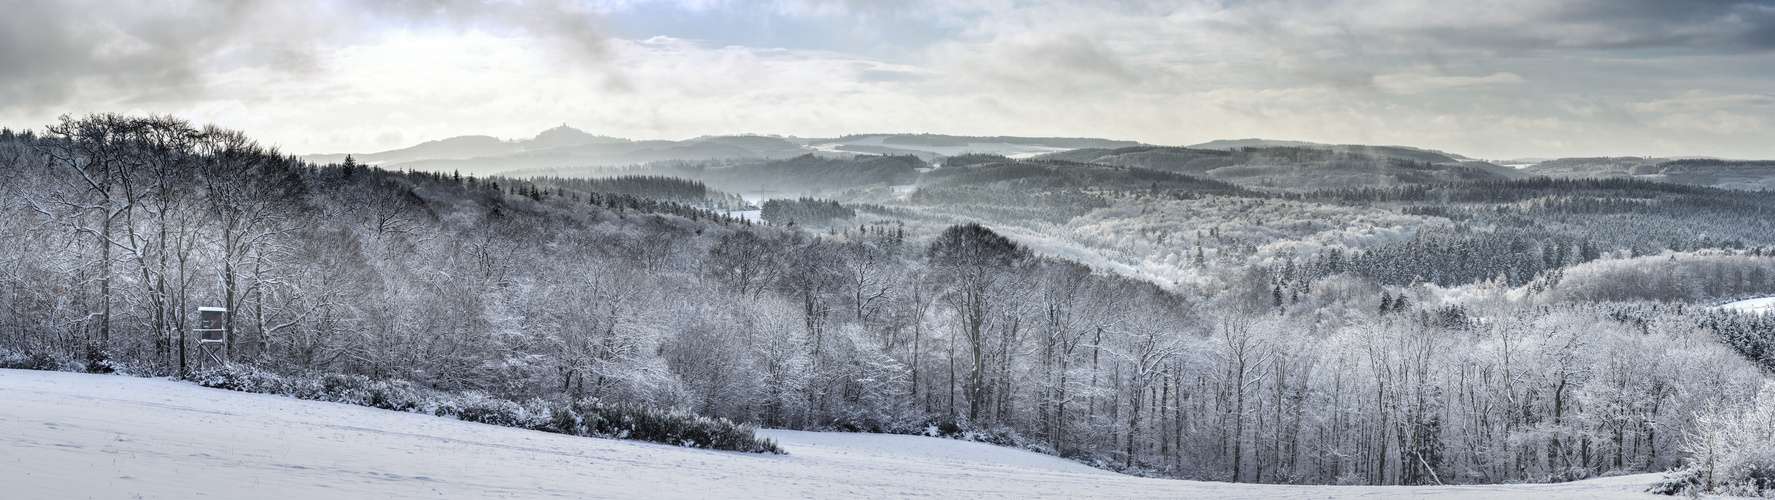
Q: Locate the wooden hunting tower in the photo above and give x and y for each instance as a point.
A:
(212, 340)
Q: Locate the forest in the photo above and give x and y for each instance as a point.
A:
(1447, 331)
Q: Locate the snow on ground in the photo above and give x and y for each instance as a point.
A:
(751, 215)
(65, 435)
(1764, 305)
(999, 148)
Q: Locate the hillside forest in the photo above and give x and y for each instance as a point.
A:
(1264, 315)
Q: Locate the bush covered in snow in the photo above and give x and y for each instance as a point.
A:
(592, 417)
(247, 378)
(398, 395)
(36, 360)
(589, 417)
(1731, 451)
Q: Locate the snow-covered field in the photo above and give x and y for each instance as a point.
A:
(65, 435)
(751, 215)
(998, 148)
(1762, 305)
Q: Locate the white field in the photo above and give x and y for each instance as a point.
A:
(751, 215)
(998, 148)
(65, 435)
(1763, 305)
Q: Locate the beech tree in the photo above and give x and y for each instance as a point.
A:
(979, 266)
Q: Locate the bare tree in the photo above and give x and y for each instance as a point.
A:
(978, 264)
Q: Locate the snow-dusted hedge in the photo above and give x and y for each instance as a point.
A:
(588, 417)
(1731, 452)
(37, 360)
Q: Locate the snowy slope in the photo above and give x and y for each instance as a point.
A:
(1763, 305)
(66, 435)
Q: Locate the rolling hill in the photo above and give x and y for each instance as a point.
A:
(66, 435)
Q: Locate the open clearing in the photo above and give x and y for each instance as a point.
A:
(1762, 305)
(66, 435)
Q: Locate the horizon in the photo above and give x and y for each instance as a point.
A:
(1500, 80)
(518, 139)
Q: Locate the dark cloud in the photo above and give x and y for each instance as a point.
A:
(1345, 44)
(1694, 24)
(1412, 26)
(52, 50)
(49, 47)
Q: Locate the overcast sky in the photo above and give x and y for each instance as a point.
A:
(1498, 79)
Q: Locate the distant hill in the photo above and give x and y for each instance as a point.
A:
(1191, 161)
(567, 147)
(1587, 168)
(1231, 144)
(468, 146)
(803, 174)
(808, 173)
(1258, 163)
(564, 147)
(471, 146)
(1727, 174)
(1419, 154)
(565, 136)
(1298, 168)
(1049, 174)
(932, 147)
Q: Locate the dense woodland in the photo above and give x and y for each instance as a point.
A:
(671, 189)
(1485, 332)
(805, 210)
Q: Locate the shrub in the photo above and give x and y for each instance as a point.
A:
(626, 421)
(246, 378)
(1677, 482)
(397, 395)
(941, 425)
(592, 418)
(1731, 451)
(36, 360)
(97, 361)
(480, 408)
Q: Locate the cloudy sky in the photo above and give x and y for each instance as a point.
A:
(1489, 79)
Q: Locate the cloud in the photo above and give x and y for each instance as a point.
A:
(1697, 100)
(1710, 112)
(53, 52)
(1347, 43)
(1411, 83)
(1416, 26)
(1063, 63)
(1497, 78)
(880, 75)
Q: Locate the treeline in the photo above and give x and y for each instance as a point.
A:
(1512, 257)
(642, 186)
(1510, 191)
(114, 229)
(706, 209)
(1694, 278)
(804, 211)
(1524, 230)
(1291, 154)
(988, 171)
(1707, 269)
(1751, 334)
(801, 174)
